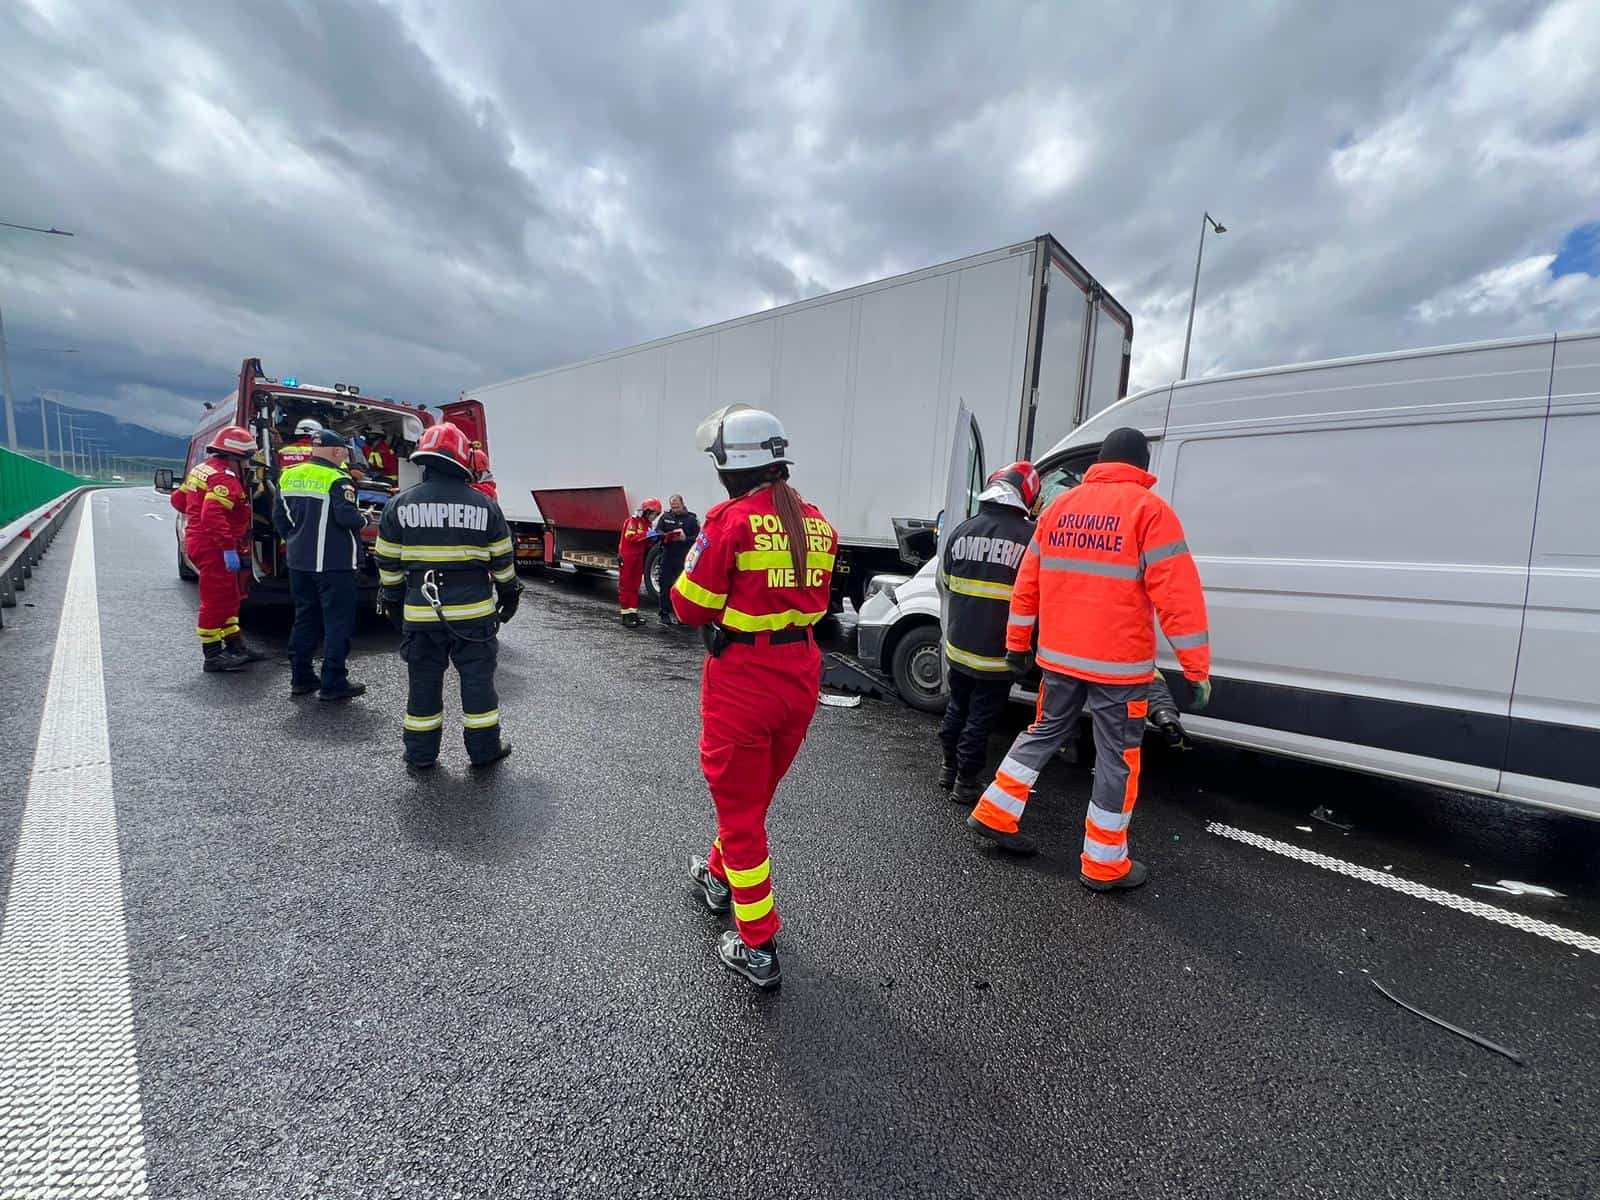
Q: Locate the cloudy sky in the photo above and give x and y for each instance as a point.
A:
(431, 194)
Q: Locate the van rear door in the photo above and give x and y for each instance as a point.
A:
(1553, 756)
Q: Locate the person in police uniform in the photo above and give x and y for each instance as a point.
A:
(449, 582)
(317, 516)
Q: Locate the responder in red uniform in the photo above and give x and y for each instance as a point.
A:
(1102, 555)
(216, 507)
(637, 537)
(758, 578)
(482, 477)
(305, 439)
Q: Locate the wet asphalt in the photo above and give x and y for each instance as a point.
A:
(349, 983)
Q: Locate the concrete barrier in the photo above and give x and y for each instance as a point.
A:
(23, 543)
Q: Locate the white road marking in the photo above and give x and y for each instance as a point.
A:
(70, 1122)
(1420, 891)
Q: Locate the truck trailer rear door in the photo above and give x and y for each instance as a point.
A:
(467, 415)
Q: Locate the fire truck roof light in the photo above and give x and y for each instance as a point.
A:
(287, 382)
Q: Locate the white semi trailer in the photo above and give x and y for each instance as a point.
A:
(867, 381)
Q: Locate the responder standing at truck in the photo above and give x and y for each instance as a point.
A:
(449, 582)
(678, 528)
(758, 578)
(294, 453)
(215, 504)
(482, 477)
(1102, 555)
(637, 537)
(976, 575)
(317, 516)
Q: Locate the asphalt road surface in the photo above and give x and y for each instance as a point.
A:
(348, 983)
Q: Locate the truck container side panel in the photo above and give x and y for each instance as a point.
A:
(690, 393)
(1105, 366)
(990, 342)
(744, 366)
(810, 394)
(896, 409)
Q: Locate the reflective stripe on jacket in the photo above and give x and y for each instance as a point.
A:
(216, 507)
(978, 572)
(446, 526)
(740, 574)
(1103, 555)
(317, 515)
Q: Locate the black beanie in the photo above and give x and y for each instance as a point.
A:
(1126, 446)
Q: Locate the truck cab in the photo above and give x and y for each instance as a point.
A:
(270, 408)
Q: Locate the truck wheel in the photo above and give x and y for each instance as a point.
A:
(652, 576)
(185, 572)
(918, 669)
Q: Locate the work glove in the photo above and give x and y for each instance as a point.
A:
(230, 559)
(1201, 694)
(1020, 662)
(509, 599)
(394, 611)
(653, 536)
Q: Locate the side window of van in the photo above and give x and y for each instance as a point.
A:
(1065, 474)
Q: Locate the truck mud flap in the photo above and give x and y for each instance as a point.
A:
(845, 675)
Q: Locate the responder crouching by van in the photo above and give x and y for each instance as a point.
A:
(449, 582)
(317, 515)
(976, 574)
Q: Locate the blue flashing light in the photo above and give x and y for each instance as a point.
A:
(287, 382)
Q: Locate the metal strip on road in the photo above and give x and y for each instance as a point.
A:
(70, 1122)
(1420, 891)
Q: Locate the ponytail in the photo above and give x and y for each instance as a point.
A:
(792, 517)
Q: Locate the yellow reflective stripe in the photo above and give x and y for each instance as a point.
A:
(984, 589)
(767, 560)
(976, 661)
(391, 577)
(444, 554)
(503, 546)
(769, 622)
(695, 594)
(452, 612)
(751, 877)
(424, 724)
(220, 496)
(505, 575)
(209, 635)
(481, 720)
(755, 910)
(390, 549)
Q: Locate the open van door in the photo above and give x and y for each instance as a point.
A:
(467, 415)
(963, 481)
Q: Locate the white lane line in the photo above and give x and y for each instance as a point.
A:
(1420, 891)
(70, 1122)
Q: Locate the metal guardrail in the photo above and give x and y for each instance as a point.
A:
(24, 541)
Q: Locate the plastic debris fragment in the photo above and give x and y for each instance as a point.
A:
(1476, 1039)
(833, 700)
(1512, 887)
(1330, 817)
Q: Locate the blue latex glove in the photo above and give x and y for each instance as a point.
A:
(230, 559)
(653, 535)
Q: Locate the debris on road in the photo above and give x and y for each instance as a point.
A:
(840, 673)
(1329, 816)
(1512, 887)
(1305, 829)
(835, 700)
(1455, 1029)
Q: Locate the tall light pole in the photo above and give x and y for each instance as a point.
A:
(44, 417)
(1206, 219)
(5, 362)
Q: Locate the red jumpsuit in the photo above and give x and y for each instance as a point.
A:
(489, 488)
(631, 550)
(216, 508)
(758, 696)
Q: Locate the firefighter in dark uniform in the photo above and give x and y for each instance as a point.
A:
(976, 575)
(449, 582)
(317, 516)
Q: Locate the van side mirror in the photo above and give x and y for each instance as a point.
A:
(164, 481)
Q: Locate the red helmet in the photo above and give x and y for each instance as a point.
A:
(1021, 478)
(480, 462)
(650, 505)
(443, 442)
(233, 439)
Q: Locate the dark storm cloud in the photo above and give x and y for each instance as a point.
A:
(428, 195)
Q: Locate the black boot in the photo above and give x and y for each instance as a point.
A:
(303, 687)
(968, 790)
(220, 658)
(348, 690)
(1137, 874)
(1019, 844)
(758, 964)
(947, 773)
(503, 750)
(238, 646)
(714, 892)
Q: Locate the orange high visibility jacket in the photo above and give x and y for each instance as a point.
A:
(739, 572)
(1102, 555)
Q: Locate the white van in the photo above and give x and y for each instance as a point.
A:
(1401, 557)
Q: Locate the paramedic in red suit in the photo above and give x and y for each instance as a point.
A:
(637, 537)
(216, 508)
(483, 478)
(757, 577)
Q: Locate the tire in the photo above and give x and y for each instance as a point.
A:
(917, 668)
(185, 572)
(650, 589)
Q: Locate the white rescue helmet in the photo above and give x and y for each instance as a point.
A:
(741, 438)
(307, 427)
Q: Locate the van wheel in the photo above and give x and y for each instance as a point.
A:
(185, 572)
(918, 669)
(651, 588)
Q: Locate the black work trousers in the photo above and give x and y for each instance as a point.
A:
(671, 568)
(428, 651)
(969, 716)
(324, 611)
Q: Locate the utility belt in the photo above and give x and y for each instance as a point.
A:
(719, 637)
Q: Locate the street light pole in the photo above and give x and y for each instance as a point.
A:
(1194, 294)
(5, 361)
